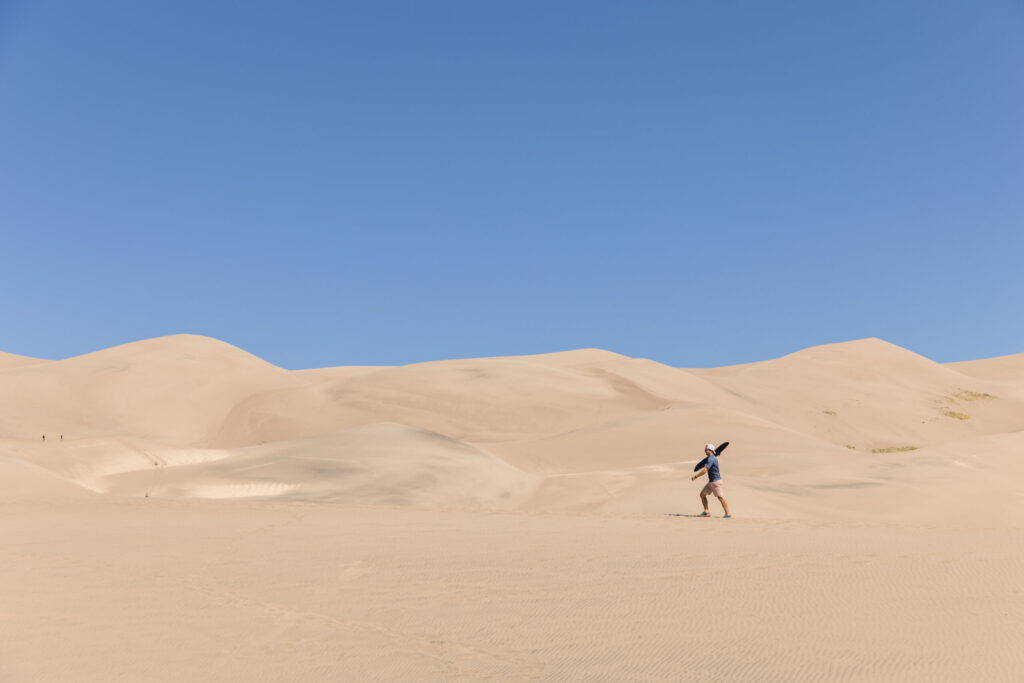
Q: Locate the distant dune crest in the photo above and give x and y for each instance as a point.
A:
(10, 360)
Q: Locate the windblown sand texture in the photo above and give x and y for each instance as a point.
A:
(209, 516)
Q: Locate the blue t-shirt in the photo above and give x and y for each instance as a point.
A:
(713, 473)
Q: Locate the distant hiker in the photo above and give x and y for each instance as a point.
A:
(61, 437)
(714, 484)
(44, 438)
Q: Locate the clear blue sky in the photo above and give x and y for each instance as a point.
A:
(334, 183)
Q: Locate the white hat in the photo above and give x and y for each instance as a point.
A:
(709, 447)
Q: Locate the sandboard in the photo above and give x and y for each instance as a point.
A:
(718, 451)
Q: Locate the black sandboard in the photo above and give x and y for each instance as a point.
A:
(718, 451)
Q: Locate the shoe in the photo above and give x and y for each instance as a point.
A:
(705, 514)
(727, 517)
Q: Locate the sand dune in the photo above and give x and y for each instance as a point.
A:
(209, 516)
(386, 464)
(176, 390)
(165, 413)
(1005, 369)
(21, 480)
(480, 400)
(871, 394)
(10, 360)
(658, 437)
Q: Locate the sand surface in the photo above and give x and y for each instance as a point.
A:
(209, 516)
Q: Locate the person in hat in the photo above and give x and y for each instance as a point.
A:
(714, 484)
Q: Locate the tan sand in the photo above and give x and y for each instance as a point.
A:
(10, 360)
(209, 516)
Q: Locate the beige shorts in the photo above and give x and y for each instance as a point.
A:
(713, 487)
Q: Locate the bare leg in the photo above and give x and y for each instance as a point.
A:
(704, 500)
(725, 505)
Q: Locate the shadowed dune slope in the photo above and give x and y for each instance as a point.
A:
(483, 400)
(386, 464)
(486, 399)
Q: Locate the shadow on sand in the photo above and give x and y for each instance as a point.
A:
(680, 514)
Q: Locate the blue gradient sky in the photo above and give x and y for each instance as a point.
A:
(389, 182)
